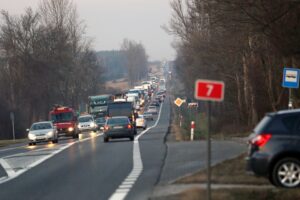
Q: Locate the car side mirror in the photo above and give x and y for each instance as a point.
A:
(27, 130)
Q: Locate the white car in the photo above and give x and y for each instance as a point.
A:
(153, 110)
(42, 132)
(87, 123)
(141, 122)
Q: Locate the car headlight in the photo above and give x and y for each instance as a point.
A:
(31, 136)
(92, 124)
(50, 134)
(70, 129)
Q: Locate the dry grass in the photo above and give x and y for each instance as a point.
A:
(236, 194)
(4, 143)
(232, 172)
(118, 85)
(228, 172)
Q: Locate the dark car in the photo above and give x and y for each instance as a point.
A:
(274, 148)
(155, 103)
(118, 127)
(100, 122)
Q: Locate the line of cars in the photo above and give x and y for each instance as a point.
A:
(105, 112)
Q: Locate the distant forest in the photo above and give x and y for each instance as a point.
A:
(114, 64)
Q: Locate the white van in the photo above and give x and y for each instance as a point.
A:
(134, 98)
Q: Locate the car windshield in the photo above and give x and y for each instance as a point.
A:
(62, 117)
(85, 119)
(120, 121)
(40, 126)
(100, 120)
(97, 108)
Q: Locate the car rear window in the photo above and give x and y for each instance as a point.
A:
(262, 124)
(118, 121)
(284, 124)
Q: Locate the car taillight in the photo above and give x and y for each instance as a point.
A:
(129, 126)
(106, 127)
(261, 140)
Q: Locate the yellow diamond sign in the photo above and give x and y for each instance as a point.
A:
(178, 102)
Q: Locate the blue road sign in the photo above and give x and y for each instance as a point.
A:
(290, 78)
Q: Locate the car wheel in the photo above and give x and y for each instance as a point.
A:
(131, 138)
(29, 144)
(106, 139)
(144, 127)
(33, 143)
(55, 141)
(286, 173)
(75, 136)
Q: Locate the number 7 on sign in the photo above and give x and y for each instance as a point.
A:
(209, 89)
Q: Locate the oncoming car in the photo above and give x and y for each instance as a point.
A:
(141, 122)
(153, 110)
(87, 123)
(100, 122)
(42, 132)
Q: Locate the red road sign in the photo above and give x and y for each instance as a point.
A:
(209, 90)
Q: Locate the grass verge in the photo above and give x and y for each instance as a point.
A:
(237, 194)
(4, 143)
(228, 172)
(232, 172)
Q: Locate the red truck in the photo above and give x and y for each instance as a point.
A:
(65, 119)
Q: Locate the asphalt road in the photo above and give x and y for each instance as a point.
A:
(87, 168)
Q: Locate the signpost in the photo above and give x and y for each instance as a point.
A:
(178, 102)
(290, 80)
(209, 90)
(12, 118)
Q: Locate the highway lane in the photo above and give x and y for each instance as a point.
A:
(92, 169)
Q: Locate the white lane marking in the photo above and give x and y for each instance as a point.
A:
(12, 174)
(135, 173)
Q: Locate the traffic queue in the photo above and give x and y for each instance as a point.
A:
(117, 115)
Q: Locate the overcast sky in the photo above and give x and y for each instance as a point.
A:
(110, 21)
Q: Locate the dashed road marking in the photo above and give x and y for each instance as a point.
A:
(135, 173)
(11, 173)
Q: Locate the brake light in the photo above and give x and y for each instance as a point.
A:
(261, 140)
(129, 126)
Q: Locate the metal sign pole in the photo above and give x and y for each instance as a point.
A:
(290, 106)
(208, 153)
(12, 117)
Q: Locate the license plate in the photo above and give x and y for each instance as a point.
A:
(118, 127)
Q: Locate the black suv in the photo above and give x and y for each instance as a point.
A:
(274, 148)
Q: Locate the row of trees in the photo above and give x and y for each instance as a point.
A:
(45, 59)
(245, 43)
(136, 60)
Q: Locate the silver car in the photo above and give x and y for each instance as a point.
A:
(87, 123)
(42, 132)
(141, 122)
(153, 110)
